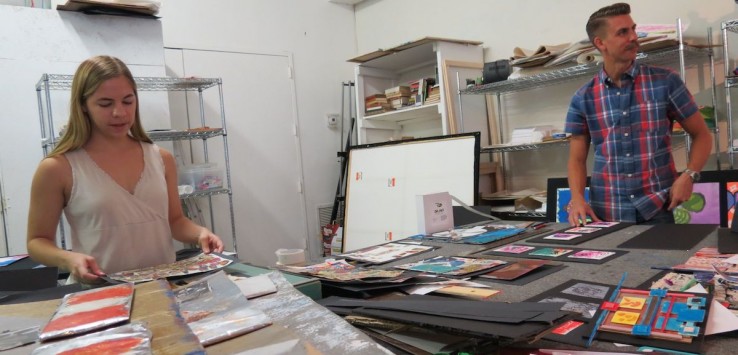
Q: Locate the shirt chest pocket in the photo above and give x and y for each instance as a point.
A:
(653, 117)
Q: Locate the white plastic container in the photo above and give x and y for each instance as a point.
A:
(201, 176)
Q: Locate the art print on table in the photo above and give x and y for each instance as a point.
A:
(586, 309)
(703, 206)
(587, 290)
(583, 230)
(451, 265)
(552, 252)
(562, 236)
(7, 260)
(383, 253)
(592, 254)
(602, 224)
(514, 249)
(514, 270)
(198, 264)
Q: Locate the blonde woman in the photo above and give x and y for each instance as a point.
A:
(116, 188)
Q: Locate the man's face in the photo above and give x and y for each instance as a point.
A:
(619, 40)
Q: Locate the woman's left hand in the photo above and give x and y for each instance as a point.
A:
(209, 242)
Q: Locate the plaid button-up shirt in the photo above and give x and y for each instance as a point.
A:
(630, 129)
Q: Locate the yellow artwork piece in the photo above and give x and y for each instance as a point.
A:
(623, 317)
(632, 302)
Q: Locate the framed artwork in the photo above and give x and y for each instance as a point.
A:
(703, 207)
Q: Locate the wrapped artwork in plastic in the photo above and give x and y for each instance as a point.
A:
(89, 310)
(132, 339)
(216, 310)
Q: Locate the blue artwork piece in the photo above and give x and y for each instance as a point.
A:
(563, 196)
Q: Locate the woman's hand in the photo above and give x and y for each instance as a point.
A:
(209, 242)
(83, 267)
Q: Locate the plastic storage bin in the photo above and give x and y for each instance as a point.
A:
(201, 176)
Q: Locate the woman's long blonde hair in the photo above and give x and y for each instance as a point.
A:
(88, 77)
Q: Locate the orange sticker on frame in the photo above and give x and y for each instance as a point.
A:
(623, 317)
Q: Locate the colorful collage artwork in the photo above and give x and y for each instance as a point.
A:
(451, 265)
(561, 254)
(703, 207)
(563, 196)
(578, 232)
(732, 192)
(384, 253)
(657, 314)
(198, 264)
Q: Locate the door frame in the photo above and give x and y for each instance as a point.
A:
(295, 123)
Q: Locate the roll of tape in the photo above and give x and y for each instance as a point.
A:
(290, 256)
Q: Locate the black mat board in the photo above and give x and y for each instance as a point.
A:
(46, 294)
(28, 279)
(497, 312)
(670, 237)
(580, 335)
(536, 274)
(727, 241)
(582, 239)
(646, 285)
(562, 258)
(516, 332)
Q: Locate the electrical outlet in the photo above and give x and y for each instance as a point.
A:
(331, 120)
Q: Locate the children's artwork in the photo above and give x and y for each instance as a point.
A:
(585, 309)
(657, 314)
(703, 263)
(731, 188)
(674, 281)
(563, 197)
(592, 254)
(703, 207)
(552, 252)
(602, 224)
(452, 265)
(384, 253)
(476, 234)
(133, 338)
(216, 310)
(562, 236)
(583, 230)
(514, 270)
(514, 249)
(588, 290)
(340, 270)
(197, 264)
(84, 311)
(7, 260)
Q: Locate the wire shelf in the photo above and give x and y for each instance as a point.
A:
(184, 135)
(64, 82)
(522, 147)
(558, 76)
(203, 193)
(731, 26)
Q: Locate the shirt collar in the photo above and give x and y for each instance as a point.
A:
(631, 73)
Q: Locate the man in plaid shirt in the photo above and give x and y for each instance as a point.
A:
(627, 111)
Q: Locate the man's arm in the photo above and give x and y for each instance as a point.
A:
(578, 208)
(700, 150)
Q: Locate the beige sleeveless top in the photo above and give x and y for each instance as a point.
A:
(122, 231)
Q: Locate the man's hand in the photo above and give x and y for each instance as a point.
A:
(681, 191)
(578, 213)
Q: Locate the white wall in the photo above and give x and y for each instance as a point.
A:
(504, 25)
(37, 41)
(320, 37)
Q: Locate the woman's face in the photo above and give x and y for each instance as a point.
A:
(112, 107)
